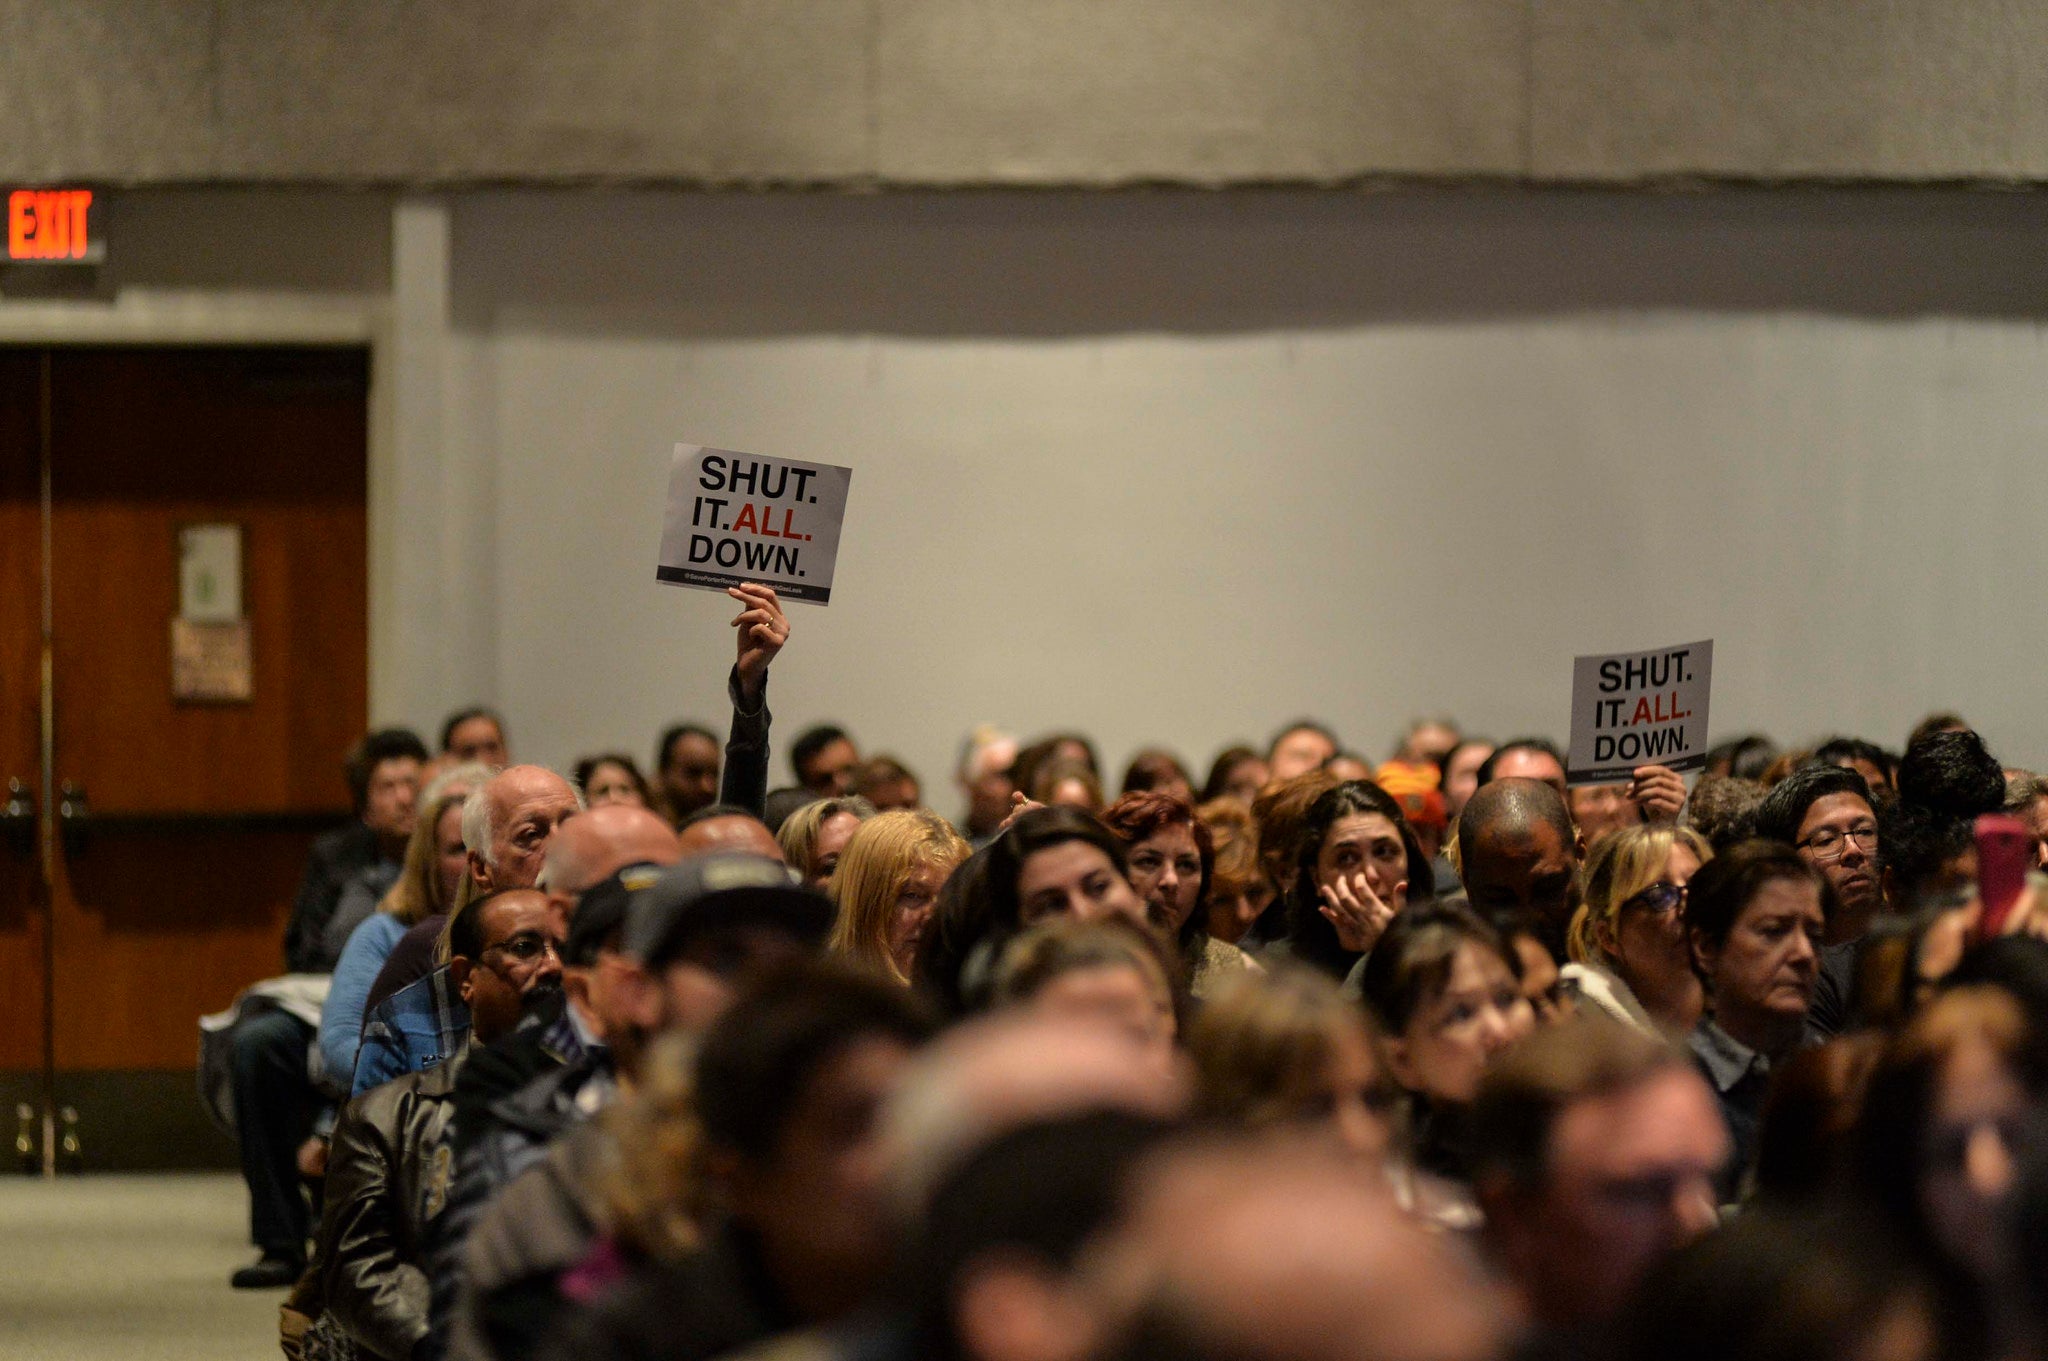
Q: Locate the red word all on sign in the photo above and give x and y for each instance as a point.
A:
(50, 224)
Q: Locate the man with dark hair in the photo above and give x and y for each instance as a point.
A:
(1594, 1152)
(1527, 758)
(1930, 858)
(1519, 858)
(502, 948)
(385, 1181)
(672, 950)
(823, 758)
(1950, 772)
(1298, 748)
(475, 734)
(788, 1086)
(383, 772)
(272, 1089)
(686, 770)
(1827, 813)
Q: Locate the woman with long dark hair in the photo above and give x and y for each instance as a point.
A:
(1357, 865)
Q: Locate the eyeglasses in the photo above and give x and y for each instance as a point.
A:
(527, 946)
(1661, 897)
(1829, 844)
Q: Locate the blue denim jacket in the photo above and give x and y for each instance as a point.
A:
(341, 1019)
(415, 1028)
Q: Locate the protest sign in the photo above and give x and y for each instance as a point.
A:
(736, 517)
(1633, 709)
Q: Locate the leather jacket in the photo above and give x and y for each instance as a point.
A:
(388, 1175)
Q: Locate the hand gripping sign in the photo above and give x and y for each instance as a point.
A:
(1633, 709)
(736, 517)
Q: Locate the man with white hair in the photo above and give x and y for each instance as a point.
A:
(507, 823)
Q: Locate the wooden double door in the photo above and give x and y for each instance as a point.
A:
(151, 840)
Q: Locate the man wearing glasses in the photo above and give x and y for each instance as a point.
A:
(500, 951)
(504, 954)
(1826, 813)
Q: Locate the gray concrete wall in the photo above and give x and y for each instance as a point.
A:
(888, 93)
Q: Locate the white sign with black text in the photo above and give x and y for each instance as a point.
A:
(1634, 709)
(736, 517)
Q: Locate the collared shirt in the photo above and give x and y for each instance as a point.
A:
(1740, 1077)
(1725, 1060)
(415, 1028)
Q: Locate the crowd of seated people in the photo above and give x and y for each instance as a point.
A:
(1442, 1058)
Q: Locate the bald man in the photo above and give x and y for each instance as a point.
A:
(724, 829)
(596, 844)
(583, 850)
(516, 1094)
(1519, 857)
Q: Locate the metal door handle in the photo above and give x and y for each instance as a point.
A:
(73, 817)
(18, 818)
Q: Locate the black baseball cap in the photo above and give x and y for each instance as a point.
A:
(601, 913)
(720, 892)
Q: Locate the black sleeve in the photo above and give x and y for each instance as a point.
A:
(490, 1072)
(319, 892)
(375, 1293)
(745, 784)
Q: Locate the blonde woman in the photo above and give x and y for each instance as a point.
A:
(887, 879)
(815, 836)
(1627, 942)
(427, 886)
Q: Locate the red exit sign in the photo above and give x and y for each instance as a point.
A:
(54, 227)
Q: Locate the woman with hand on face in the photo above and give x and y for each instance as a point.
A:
(886, 883)
(1171, 856)
(1756, 919)
(1358, 862)
(1629, 954)
(1446, 991)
